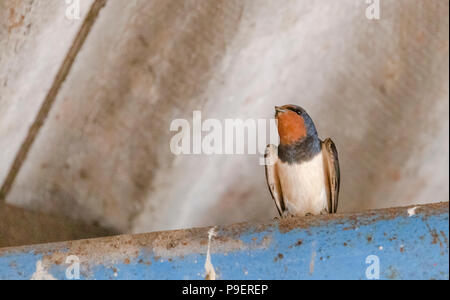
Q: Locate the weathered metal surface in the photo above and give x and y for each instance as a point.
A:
(411, 243)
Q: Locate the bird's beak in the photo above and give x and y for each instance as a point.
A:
(278, 110)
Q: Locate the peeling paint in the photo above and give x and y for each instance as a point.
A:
(209, 268)
(412, 211)
(41, 273)
(415, 248)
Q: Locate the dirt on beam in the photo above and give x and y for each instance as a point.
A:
(395, 243)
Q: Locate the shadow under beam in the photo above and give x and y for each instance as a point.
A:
(19, 227)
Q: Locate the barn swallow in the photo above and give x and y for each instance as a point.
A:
(303, 171)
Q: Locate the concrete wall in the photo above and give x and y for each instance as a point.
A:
(35, 38)
(379, 88)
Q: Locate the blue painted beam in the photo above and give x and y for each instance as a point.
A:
(397, 243)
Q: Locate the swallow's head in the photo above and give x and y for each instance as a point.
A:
(294, 124)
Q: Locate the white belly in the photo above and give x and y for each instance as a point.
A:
(304, 186)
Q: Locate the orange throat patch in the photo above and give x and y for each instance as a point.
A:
(291, 127)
